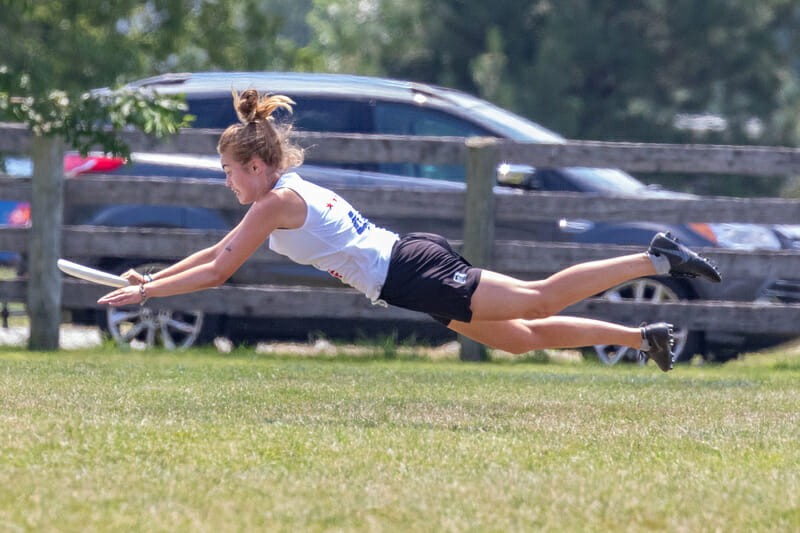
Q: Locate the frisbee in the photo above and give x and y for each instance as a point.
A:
(91, 274)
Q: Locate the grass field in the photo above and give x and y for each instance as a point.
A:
(107, 441)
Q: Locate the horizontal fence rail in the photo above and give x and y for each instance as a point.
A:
(512, 206)
(633, 157)
(321, 302)
(639, 157)
(520, 257)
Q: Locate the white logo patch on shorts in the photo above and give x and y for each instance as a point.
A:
(460, 277)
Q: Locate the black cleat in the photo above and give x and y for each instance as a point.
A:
(683, 262)
(659, 337)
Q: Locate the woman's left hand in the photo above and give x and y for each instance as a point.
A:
(124, 296)
(133, 277)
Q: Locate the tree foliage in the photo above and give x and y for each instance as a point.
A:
(372, 37)
(718, 71)
(93, 118)
(76, 45)
(591, 69)
(54, 52)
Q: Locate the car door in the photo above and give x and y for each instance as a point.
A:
(405, 119)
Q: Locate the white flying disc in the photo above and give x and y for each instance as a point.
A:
(91, 274)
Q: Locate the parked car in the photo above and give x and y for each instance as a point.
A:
(14, 214)
(352, 104)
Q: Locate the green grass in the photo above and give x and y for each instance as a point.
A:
(108, 441)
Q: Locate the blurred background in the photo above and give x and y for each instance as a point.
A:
(719, 71)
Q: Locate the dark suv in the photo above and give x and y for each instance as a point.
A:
(353, 104)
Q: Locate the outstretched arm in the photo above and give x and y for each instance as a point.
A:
(212, 266)
(198, 258)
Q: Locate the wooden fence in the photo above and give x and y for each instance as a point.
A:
(477, 208)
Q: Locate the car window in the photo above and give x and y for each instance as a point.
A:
(333, 115)
(330, 115)
(310, 114)
(550, 179)
(400, 119)
(213, 113)
(605, 180)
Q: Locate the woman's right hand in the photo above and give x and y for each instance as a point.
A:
(132, 294)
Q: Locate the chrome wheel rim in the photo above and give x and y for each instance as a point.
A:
(643, 290)
(146, 328)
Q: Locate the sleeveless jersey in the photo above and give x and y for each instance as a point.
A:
(335, 238)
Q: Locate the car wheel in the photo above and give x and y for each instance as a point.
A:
(649, 290)
(149, 327)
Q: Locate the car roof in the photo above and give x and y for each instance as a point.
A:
(498, 121)
(297, 83)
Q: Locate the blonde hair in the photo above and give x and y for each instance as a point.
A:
(258, 135)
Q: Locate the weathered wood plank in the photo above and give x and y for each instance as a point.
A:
(15, 189)
(13, 290)
(546, 257)
(525, 258)
(95, 241)
(339, 147)
(554, 206)
(15, 138)
(444, 205)
(479, 220)
(511, 208)
(634, 157)
(14, 239)
(641, 157)
(213, 194)
(44, 248)
(300, 302)
(100, 189)
(749, 318)
(345, 147)
(160, 243)
(260, 301)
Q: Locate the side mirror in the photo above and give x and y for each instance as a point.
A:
(518, 176)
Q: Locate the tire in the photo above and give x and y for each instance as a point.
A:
(158, 328)
(650, 290)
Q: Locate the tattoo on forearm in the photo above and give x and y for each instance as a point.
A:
(228, 249)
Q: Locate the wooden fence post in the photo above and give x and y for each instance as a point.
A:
(47, 209)
(479, 209)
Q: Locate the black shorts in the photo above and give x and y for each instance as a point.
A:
(426, 275)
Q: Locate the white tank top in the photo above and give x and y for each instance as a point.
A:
(335, 238)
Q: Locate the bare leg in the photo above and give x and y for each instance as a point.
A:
(500, 297)
(520, 336)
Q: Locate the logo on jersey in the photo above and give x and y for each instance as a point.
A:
(359, 222)
(460, 277)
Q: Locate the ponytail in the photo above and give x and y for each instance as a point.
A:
(258, 135)
(250, 109)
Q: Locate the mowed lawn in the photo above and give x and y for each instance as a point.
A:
(104, 440)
